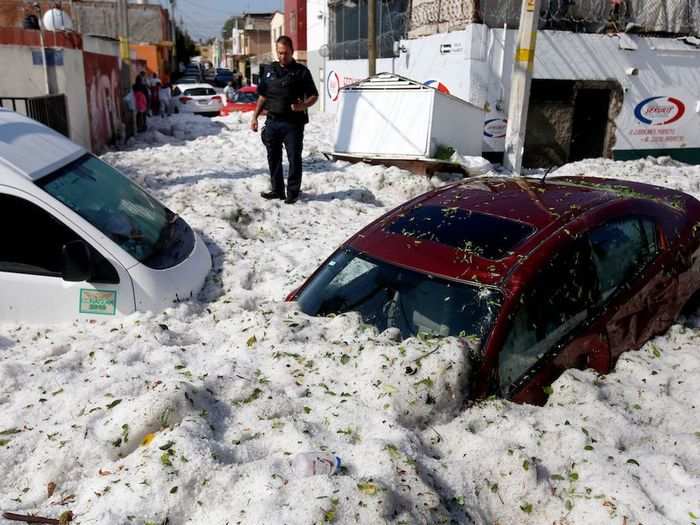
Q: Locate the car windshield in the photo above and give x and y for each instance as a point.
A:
(246, 97)
(387, 296)
(122, 211)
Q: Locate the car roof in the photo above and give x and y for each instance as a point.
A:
(194, 86)
(31, 148)
(479, 229)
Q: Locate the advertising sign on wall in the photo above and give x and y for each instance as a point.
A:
(659, 122)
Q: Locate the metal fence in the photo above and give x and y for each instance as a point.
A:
(398, 19)
(675, 17)
(47, 109)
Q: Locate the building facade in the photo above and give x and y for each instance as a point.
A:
(295, 26)
(610, 79)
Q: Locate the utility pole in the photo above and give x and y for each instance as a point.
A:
(44, 57)
(75, 15)
(124, 52)
(520, 82)
(129, 118)
(371, 37)
(174, 37)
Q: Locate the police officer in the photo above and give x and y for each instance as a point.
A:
(286, 91)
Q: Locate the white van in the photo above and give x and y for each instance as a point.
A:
(80, 240)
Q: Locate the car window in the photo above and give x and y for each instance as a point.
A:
(245, 98)
(199, 92)
(621, 249)
(486, 235)
(129, 216)
(555, 303)
(387, 296)
(33, 241)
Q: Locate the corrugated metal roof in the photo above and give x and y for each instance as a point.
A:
(386, 81)
(31, 148)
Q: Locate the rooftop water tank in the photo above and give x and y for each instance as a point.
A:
(57, 20)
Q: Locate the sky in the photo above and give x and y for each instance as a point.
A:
(205, 18)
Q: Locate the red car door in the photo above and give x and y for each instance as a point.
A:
(637, 280)
(588, 350)
(553, 326)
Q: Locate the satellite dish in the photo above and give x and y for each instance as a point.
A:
(57, 20)
(324, 50)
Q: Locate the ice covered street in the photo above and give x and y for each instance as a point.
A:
(192, 416)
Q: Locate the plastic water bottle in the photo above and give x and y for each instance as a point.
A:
(315, 463)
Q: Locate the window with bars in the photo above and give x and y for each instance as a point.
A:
(348, 27)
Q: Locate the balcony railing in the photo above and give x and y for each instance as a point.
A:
(47, 109)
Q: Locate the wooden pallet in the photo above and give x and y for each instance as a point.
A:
(417, 165)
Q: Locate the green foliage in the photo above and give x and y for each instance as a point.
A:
(184, 45)
(444, 152)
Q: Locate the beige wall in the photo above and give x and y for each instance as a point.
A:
(147, 23)
(27, 80)
(102, 46)
(276, 31)
(257, 42)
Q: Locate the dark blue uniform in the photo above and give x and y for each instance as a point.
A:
(283, 86)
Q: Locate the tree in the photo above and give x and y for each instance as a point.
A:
(184, 45)
(230, 24)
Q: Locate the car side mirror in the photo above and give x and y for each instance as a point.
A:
(77, 264)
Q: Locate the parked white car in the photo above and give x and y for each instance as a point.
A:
(197, 98)
(80, 240)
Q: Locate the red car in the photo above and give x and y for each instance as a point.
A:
(245, 99)
(540, 276)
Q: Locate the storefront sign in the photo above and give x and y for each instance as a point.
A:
(495, 128)
(657, 123)
(436, 84)
(659, 111)
(454, 48)
(334, 82)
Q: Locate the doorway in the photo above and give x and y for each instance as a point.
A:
(570, 120)
(588, 133)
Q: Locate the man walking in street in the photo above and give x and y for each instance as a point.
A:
(286, 91)
(229, 91)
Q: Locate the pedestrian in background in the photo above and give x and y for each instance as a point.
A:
(154, 86)
(286, 91)
(141, 101)
(31, 21)
(229, 91)
(165, 98)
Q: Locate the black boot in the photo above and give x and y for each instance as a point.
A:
(271, 195)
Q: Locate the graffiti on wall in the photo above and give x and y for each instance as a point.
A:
(104, 102)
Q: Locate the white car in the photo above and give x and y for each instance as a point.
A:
(197, 98)
(80, 240)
